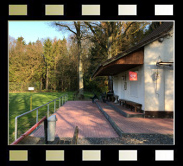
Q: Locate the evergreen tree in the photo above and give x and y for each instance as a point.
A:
(78, 29)
(48, 58)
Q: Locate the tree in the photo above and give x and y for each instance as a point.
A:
(16, 60)
(61, 60)
(48, 57)
(115, 37)
(38, 62)
(106, 31)
(78, 29)
(68, 64)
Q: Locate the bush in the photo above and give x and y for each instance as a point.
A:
(96, 86)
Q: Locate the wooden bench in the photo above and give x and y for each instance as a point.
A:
(135, 105)
(122, 101)
(130, 103)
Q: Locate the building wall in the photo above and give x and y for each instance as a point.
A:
(155, 86)
(134, 90)
(159, 81)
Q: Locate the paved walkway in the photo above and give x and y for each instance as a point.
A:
(92, 123)
(86, 116)
(139, 125)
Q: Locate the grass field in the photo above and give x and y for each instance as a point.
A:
(20, 103)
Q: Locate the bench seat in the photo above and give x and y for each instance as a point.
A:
(130, 103)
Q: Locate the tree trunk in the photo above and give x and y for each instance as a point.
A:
(80, 64)
(62, 85)
(55, 79)
(47, 78)
(41, 84)
(110, 81)
(109, 45)
(69, 83)
(80, 68)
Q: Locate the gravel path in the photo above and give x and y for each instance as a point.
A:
(126, 139)
(130, 139)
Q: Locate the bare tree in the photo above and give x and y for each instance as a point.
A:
(111, 32)
(78, 29)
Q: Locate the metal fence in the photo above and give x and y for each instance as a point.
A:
(21, 124)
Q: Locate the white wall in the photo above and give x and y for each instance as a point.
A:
(154, 94)
(135, 89)
(159, 90)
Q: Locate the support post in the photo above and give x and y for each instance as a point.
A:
(48, 111)
(15, 128)
(31, 102)
(54, 105)
(45, 131)
(37, 116)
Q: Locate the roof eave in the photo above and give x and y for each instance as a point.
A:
(125, 54)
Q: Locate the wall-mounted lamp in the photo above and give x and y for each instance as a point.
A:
(161, 63)
(161, 39)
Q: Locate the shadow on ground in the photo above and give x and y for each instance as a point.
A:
(126, 139)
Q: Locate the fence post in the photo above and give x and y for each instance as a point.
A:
(62, 100)
(15, 128)
(54, 106)
(48, 111)
(59, 102)
(37, 116)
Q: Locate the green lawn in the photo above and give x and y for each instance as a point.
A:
(20, 103)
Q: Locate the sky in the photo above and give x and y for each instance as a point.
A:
(34, 30)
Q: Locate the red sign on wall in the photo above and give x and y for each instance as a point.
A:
(132, 76)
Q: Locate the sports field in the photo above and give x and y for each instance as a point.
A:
(20, 103)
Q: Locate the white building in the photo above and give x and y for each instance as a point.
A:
(153, 61)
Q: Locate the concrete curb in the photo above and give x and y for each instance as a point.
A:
(113, 124)
(118, 110)
(124, 113)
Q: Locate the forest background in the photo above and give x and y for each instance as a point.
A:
(67, 64)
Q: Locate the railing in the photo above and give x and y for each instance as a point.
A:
(62, 99)
(30, 131)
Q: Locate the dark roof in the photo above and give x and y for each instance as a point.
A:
(157, 33)
(161, 31)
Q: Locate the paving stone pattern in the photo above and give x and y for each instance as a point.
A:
(92, 123)
(86, 116)
(139, 125)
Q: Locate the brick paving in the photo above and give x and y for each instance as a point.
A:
(126, 110)
(139, 125)
(86, 116)
(92, 123)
